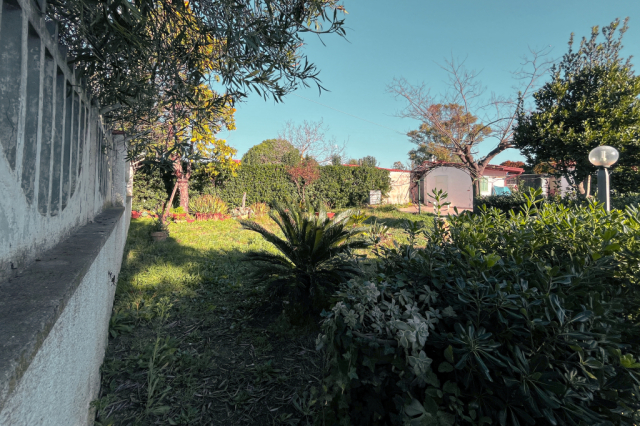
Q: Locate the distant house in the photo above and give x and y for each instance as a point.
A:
(400, 182)
(454, 179)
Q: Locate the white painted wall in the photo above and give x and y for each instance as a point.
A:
(59, 168)
(399, 193)
(64, 376)
(456, 182)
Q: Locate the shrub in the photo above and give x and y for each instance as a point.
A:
(150, 189)
(528, 319)
(504, 203)
(207, 204)
(314, 255)
(260, 209)
(343, 186)
(272, 151)
(621, 201)
(263, 184)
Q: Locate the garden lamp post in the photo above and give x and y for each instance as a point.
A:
(604, 157)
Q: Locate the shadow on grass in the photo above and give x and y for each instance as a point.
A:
(191, 341)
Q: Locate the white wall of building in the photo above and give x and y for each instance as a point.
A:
(400, 183)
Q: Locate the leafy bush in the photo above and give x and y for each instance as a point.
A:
(272, 151)
(530, 319)
(343, 186)
(151, 188)
(260, 209)
(504, 203)
(267, 183)
(207, 204)
(314, 254)
(621, 201)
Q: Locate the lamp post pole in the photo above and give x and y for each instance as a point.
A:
(603, 157)
(603, 188)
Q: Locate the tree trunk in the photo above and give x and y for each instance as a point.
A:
(183, 183)
(476, 188)
(168, 203)
(183, 187)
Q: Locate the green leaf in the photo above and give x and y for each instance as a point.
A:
(448, 354)
(445, 367)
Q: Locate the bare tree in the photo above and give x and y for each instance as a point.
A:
(311, 140)
(463, 117)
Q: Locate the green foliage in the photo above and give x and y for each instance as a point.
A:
(151, 188)
(314, 255)
(529, 319)
(264, 183)
(518, 201)
(159, 226)
(357, 218)
(591, 100)
(621, 201)
(338, 186)
(368, 161)
(260, 209)
(431, 145)
(207, 204)
(177, 210)
(343, 186)
(272, 151)
(515, 201)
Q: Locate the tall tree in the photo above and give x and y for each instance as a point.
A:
(134, 54)
(431, 147)
(368, 161)
(272, 151)
(311, 140)
(591, 100)
(463, 117)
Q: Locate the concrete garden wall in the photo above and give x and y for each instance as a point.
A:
(63, 222)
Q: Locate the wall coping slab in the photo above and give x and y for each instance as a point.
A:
(32, 302)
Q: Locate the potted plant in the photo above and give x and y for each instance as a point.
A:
(159, 231)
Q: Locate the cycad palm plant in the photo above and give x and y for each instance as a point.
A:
(315, 254)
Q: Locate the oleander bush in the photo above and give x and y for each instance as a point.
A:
(530, 319)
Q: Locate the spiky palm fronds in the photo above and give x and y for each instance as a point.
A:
(315, 253)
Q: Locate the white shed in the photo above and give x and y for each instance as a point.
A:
(456, 182)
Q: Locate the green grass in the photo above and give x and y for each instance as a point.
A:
(194, 342)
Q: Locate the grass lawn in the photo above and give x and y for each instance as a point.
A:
(193, 341)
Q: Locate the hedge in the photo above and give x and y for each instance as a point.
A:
(517, 201)
(338, 186)
(262, 183)
(529, 319)
(342, 186)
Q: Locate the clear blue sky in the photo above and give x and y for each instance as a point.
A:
(408, 38)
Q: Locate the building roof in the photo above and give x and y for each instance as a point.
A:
(381, 168)
(489, 168)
